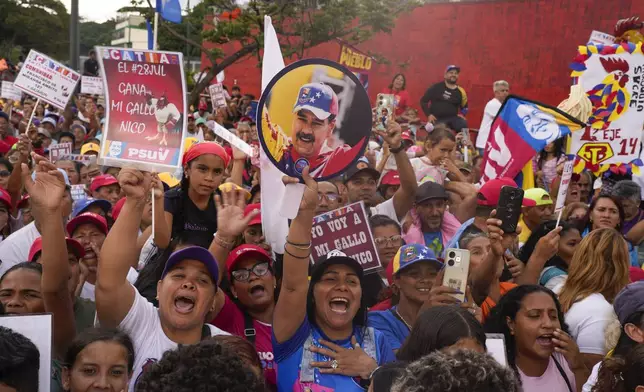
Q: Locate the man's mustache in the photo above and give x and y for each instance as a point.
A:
(308, 137)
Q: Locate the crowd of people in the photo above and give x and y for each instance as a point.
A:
(200, 300)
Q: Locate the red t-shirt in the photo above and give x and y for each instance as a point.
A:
(401, 100)
(231, 320)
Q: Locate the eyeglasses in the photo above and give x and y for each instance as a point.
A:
(383, 241)
(5, 173)
(243, 274)
(328, 196)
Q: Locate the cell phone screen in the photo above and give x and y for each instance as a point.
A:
(495, 345)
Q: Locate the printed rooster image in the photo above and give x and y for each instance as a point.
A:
(610, 98)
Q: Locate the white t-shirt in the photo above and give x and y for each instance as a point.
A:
(88, 291)
(491, 109)
(385, 208)
(426, 171)
(587, 320)
(15, 248)
(592, 380)
(143, 325)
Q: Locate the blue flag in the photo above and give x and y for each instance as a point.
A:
(169, 10)
(150, 34)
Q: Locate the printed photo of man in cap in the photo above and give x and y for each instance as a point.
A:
(309, 144)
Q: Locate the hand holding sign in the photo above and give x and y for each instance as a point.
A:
(393, 134)
(310, 196)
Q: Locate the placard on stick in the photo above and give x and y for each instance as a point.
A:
(145, 108)
(91, 85)
(217, 95)
(10, 91)
(566, 177)
(346, 229)
(47, 79)
(57, 151)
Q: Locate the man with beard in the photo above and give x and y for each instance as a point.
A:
(442, 101)
(166, 114)
(315, 112)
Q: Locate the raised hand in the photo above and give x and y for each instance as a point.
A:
(499, 240)
(310, 197)
(393, 134)
(135, 184)
(157, 185)
(230, 214)
(47, 189)
(548, 245)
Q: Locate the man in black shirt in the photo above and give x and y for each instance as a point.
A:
(90, 66)
(442, 101)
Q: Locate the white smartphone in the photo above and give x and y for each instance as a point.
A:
(457, 266)
(495, 345)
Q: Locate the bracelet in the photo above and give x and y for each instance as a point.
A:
(297, 257)
(224, 244)
(397, 149)
(299, 246)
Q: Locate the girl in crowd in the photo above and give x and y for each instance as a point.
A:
(320, 336)
(401, 96)
(549, 163)
(20, 289)
(538, 346)
(191, 207)
(414, 277)
(622, 374)
(597, 272)
(437, 164)
(99, 359)
(550, 261)
(442, 328)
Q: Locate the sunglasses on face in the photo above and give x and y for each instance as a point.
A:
(243, 274)
(5, 173)
(393, 240)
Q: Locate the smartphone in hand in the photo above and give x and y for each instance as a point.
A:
(508, 210)
(457, 266)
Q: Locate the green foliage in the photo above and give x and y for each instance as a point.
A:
(95, 34)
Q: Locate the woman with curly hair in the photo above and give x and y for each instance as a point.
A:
(538, 346)
(205, 366)
(622, 374)
(462, 370)
(597, 272)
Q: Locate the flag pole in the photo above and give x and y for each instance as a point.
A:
(156, 30)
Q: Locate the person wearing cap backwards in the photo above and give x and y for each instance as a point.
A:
(361, 180)
(311, 139)
(190, 209)
(533, 216)
(105, 187)
(15, 248)
(629, 308)
(249, 313)
(443, 101)
(188, 283)
(320, 336)
(415, 268)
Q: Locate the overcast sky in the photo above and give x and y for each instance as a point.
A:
(102, 10)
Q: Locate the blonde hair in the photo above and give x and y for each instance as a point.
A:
(599, 265)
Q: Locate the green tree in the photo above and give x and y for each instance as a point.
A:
(95, 34)
(300, 24)
(42, 25)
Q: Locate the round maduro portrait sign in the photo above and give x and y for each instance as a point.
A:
(314, 113)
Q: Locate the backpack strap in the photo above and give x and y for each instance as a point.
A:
(563, 374)
(249, 329)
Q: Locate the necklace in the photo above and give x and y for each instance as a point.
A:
(402, 319)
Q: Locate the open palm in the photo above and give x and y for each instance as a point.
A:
(231, 221)
(48, 188)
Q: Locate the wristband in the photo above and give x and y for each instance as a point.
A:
(397, 149)
(224, 244)
(297, 257)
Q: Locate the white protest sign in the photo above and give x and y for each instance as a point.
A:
(598, 37)
(78, 192)
(9, 91)
(563, 188)
(234, 140)
(38, 329)
(47, 79)
(217, 95)
(58, 150)
(91, 85)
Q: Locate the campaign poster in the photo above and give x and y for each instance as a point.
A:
(38, 329)
(47, 79)
(613, 78)
(314, 113)
(566, 176)
(357, 62)
(91, 85)
(9, 91)
(345, 229)
(57, 151)
(145, 102)
(217, 95)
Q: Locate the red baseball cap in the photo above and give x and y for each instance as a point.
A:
(489, 193)
(243, 251)
(102, 180)
(257, 220)
(72, 245)
(5, 198)
(406, 136)
(87, 217)
(391, 178)
(116, 210)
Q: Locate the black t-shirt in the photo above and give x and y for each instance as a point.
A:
(443, 102)
(90, 67)
(194, 225)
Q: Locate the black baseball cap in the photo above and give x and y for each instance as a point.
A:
(430, 190)
(360, 166)
(334, 257)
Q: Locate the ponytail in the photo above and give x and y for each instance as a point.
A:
(621, 374)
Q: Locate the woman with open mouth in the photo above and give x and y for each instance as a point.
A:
(538, 346)
(320, 337)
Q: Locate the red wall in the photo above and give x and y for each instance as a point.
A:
(529, 43)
